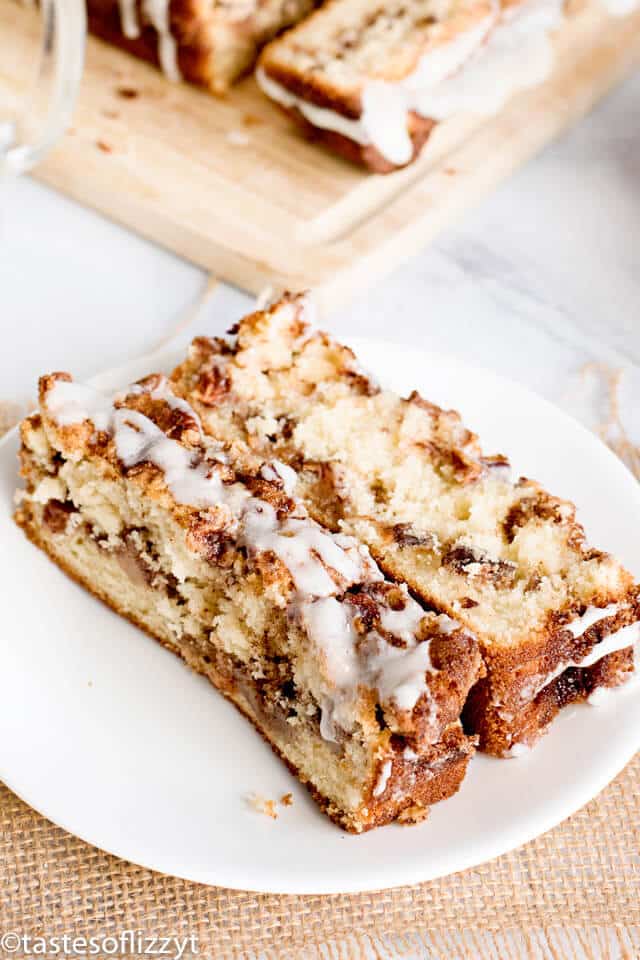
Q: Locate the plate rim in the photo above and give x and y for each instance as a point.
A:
(571, 799)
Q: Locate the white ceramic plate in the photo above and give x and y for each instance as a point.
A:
(114, 739)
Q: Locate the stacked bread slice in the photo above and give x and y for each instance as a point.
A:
(556, 619)
(370, 80)
(354, 684)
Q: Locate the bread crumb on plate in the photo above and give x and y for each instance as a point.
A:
(263, 805)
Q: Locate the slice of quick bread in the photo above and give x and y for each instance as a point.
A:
(555, 619)
(370, 80)
(350, 680)
(208, 43)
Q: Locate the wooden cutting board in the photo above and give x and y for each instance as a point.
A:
(231, 185)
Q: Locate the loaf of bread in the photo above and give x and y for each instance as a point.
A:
(368, 79)
(207, 42)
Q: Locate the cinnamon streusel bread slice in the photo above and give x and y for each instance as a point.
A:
(354, 685)
(556, 619)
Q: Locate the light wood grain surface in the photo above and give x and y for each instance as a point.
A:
(231, 186)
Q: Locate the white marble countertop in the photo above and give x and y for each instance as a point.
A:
(540, 281)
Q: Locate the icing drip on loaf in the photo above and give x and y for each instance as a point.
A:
(157, 13)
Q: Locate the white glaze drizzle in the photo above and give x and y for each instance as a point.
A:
(517, 55)
(383, 779)
(312, 555)
(402, 623)
(157, 12)
(276, 471)
(266, 298)
(308, 552)
(362, 130)
(398, 673)
(199, 484)
(161, 390)
(129, 18)
(625, 637)
(303, 547)
(329, 625)
(72, 403)
(618, 640)
(592, 615)
(401, 673)
(465, 75)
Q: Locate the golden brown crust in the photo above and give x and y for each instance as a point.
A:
(318, 92)
(501, 708)
(498, 733)
(365, 155)
(434, 777)
(332, 98)
(511, 668)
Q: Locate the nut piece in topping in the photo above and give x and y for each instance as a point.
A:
(473, 562)
(406, 535)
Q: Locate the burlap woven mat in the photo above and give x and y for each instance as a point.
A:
(583, 874)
